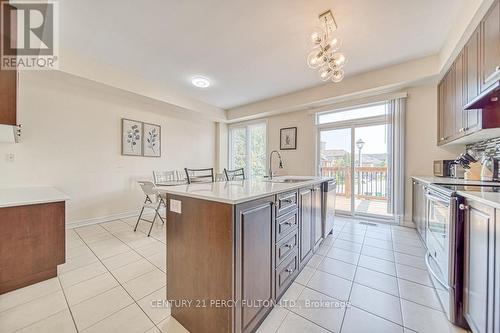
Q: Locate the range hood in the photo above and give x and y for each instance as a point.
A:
(487, 99)
(9, 133)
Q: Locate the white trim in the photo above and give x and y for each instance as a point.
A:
(358, 103)
(102, 219)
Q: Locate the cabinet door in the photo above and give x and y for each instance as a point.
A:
(8, 86)
(490, 46)
(305, 225)
(472, 118)
(441, 92)
(418, 208)
(459, 128)
(449, 105)
(478, 290)
(316, 213)
(254, 261)
(496, 312)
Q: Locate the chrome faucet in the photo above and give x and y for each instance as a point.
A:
(271, 173)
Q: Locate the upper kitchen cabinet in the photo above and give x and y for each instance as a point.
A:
(474, 72)
(490, 47)
(471, 83)
(8, 89)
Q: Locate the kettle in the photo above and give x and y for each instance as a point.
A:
(489, 168)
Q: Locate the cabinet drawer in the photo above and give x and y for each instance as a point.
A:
(286, 202)
(286, 272)
(285, 224)
(286, 246)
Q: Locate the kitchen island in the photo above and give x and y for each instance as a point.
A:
(233, 248)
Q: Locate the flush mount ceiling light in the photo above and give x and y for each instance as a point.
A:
(200, 82)
(325, 56)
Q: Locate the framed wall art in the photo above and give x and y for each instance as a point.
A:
(151, 139)
(288, 138)
(131, 137)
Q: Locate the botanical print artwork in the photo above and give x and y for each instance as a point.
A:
(152, 140)
(288, 138)
(131, 137)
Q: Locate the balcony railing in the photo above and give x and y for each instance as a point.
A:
(369, 182)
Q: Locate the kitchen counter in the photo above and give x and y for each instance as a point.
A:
(238, 191)
(22, 196)
(488, 198)
(451, 181)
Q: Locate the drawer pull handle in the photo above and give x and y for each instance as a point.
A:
(289, 246)
(463, 207)
(289, 201)
(289, 270)
(289, 223)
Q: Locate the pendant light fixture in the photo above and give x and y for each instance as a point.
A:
(325, 57)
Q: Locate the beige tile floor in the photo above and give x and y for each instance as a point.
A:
(364, 278)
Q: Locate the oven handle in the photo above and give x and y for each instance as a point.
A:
(436, 198)
(427, 256)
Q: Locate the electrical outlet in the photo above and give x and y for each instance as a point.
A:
(10, 157)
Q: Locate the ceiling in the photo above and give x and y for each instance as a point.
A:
(251, 50)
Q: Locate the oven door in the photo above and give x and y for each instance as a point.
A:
(439, 215)
(438, 228)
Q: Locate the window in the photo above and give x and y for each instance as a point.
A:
(247, 148)
(352, 114)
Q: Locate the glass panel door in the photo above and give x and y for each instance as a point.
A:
(335, 159)
(370, 170)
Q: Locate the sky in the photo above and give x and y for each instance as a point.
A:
(375, 139)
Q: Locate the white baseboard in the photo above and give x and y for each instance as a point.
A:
(101, 219)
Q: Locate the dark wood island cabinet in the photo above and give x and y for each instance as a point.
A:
(229, 261)
(32, 241)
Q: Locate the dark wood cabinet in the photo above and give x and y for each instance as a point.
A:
(490, 47)
(32, 244)
(472, 117)
(418, 208)
(247, 253)
(496, 301)
(479, 266)
(306, 227)
(8, 86)
(316, 215)
(459, 95)
(475, 69)
(254, 261)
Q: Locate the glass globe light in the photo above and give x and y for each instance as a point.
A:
(325, 73)
(335, 44)
(337, 75)
(317, 36)
(315, 59)
(339, 59)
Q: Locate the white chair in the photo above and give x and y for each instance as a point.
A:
(153, 201)
(164, 176)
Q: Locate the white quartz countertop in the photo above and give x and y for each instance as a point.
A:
(488, 198)
(238, 191)
(22, 196)
(452, 181)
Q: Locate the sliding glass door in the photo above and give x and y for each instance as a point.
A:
(356, 152)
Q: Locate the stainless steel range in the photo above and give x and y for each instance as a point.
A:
(445, 218)
(444, 240)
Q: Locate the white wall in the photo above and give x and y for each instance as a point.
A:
(421, 133)
(71, 140)
(421, 137)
